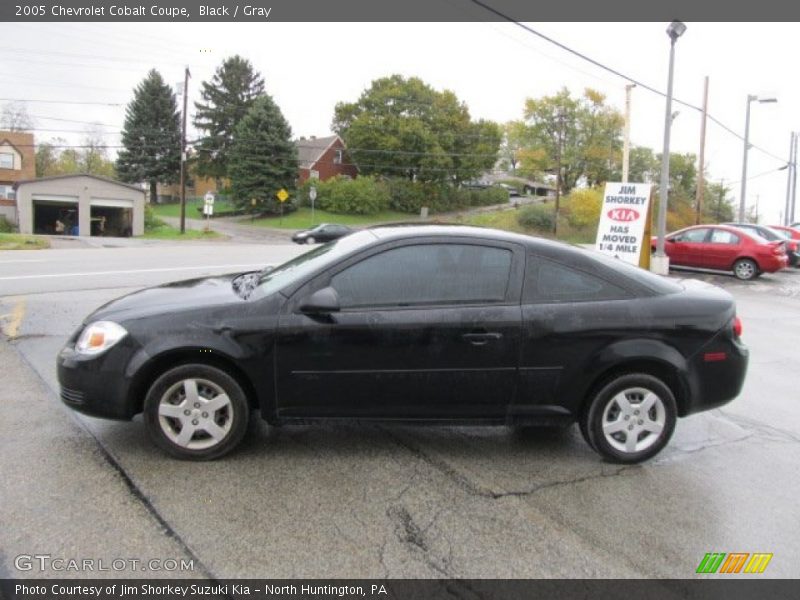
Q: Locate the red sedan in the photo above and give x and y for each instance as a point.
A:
(724, 248)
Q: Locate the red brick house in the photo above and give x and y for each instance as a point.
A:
(323, 158)
(17, 162)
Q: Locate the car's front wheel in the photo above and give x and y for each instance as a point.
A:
(745, 269)
(631, 418)
(196, 412)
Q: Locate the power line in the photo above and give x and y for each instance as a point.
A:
(39, 101)
(619, 74)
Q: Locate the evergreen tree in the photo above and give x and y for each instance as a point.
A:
(151, 136)
(263, 158)
(226, 99)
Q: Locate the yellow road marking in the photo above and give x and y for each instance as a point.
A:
(16, 319)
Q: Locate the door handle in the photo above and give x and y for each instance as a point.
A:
(479, 339)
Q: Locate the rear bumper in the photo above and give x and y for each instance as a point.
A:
(773, 263)
(717, 376)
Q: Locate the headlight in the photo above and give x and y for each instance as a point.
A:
(99, 337)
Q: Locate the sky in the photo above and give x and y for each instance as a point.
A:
(492, 67)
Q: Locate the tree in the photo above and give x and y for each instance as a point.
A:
(514, 134)
(15, 117)
(94, 157)
(583, 134)
(263, 158)
(226, 99)
(717, 207)
(56, 158)
(151, 136)
(47, 157)
(403, 127)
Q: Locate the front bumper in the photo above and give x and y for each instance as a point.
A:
(98, 385)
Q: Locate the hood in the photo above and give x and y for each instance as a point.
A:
(178, 296)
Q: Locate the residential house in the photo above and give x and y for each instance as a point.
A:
(323, 158)
(17, 162)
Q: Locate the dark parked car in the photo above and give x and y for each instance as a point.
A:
(724, 248)
(413, 323)
(324, 232)
(771, 235)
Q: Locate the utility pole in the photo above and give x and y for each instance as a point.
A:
(701, 171)
(558, 173)
(626, 147)
(786, 218)
(183, 149)
(794, 179)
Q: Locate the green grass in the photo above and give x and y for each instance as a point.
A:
(174, 209)
(165, 232)
(301, 219)
(16, 241)
(507, 220)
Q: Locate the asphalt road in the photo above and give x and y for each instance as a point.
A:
(363, 500)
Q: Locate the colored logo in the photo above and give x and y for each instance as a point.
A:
(623, 214)
(734, 562)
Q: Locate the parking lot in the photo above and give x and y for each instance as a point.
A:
(367, 500)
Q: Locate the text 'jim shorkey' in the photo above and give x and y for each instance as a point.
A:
(734, 562)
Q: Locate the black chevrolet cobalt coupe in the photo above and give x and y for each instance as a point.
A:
(425, 323)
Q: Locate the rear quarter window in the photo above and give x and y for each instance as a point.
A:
(548, 281)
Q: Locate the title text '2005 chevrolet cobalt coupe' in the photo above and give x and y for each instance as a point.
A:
(416, 323)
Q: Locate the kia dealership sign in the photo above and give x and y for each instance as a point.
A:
(623, 218)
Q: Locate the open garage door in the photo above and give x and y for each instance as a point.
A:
(48, 210)
(111, 217)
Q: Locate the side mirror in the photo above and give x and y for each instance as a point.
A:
(321, 302)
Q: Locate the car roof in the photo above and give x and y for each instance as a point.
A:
(410, 230)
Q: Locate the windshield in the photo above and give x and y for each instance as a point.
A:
(310, 262)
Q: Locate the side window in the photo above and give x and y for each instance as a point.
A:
(693, 235)
(720, 236)
(426, 274)
(548, 282)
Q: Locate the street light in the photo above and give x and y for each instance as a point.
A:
(742, 196)
(660, 262)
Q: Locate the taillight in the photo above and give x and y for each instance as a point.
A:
(778, 249)
(737, 327)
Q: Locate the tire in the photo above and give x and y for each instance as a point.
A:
(217, 417)
(745, 269)
(630, 437)
(310, 240)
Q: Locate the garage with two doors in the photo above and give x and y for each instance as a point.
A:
(80, 205)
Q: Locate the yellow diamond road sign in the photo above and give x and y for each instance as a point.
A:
(283, 195)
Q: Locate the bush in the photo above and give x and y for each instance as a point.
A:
(411, 196)
(151, 221)
(537, 217)
(5, 226)
(359, 196)
(583, 207)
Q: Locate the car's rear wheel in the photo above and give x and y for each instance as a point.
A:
(745, 269)
(631, 418)
(196, 412)
(310, 240)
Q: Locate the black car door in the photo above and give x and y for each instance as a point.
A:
(426, 330)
